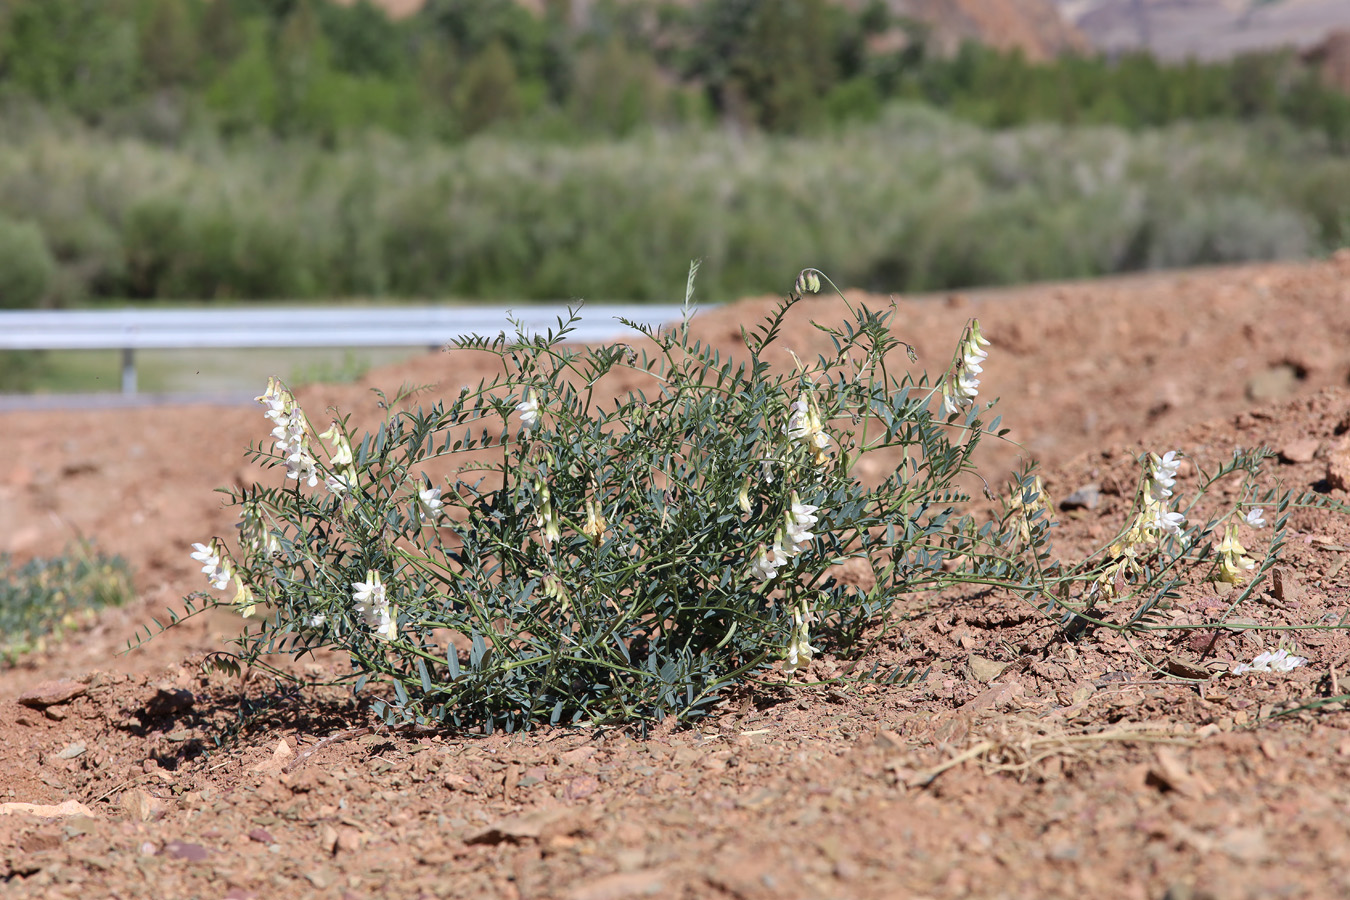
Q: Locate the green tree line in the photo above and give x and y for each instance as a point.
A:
(162, 68)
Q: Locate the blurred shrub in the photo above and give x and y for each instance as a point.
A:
(27, 268)
(44, 598)
(937, 203)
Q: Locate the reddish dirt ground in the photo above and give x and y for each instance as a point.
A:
(1109, 766)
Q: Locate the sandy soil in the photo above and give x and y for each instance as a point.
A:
(1106, 766)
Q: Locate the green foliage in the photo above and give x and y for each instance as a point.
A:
(27, 269)
(43, 598)
(937, 204)
(528, 552)
(490, 91)
(332, 70)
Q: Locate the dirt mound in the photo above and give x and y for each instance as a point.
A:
(1020, 765)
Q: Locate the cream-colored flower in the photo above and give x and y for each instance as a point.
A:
(596, 525)
(799, 649)
(243, 598)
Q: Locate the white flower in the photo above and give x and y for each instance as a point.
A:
(1166, 466)
(1163, 475)
(529, 410)
(769, 560)
(372, 604)
(1256, 517)
(301, 466)
(336, 483)
(429, 504)
(1279, 661)
(216, 569)
(799, 521)
(1166, 522)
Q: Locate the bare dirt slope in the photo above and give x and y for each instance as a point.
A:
(1080, 768)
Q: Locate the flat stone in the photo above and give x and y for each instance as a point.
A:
(51, 693)
(44, 811)
(1086, 497)
(1300, 450)
(1273, 383)
(985, 670)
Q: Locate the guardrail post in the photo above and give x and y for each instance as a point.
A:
(128, 370)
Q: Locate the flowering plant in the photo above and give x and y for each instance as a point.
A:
(523, 553)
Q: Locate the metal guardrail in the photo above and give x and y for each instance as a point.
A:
(130, 330)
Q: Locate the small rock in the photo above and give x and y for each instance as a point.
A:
(349, 839)
(184, 850)
(1300, 450)
(1338, 467)
(540, 824)
(142, 807)
(575, 756)
(261, 835)
(1285, 585)
(72, 751)
(985, 670)
(1086, 497)
(51, 693)
(39, 841)
(169, 701)
(1273, 383)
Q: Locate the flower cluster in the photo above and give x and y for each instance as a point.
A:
(1157, 490)
(291, 432)
(805, 427)
(372, 604)
(792, 538)
(799, 649)
(1279, 661)
(596, 524)
(962, 387)
(215, 565)
(1233, 561)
